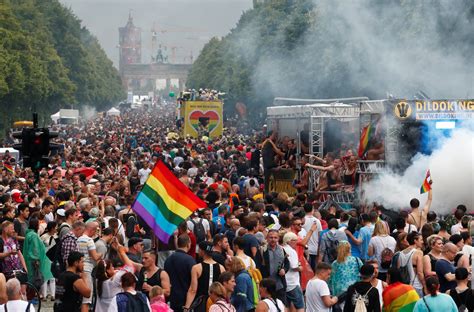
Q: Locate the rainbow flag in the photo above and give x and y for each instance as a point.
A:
(365, 137)
(165, 202)
(399, 297)
(426, 186)
(9, 168)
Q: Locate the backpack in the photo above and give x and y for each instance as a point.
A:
(466, 302)
(404, 271)
(199, 231)
(256, 276)
(386, 257)
(57, 264)
(132, 303)
(360, 301)
(331, 250)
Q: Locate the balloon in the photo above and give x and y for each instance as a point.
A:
(171, 94)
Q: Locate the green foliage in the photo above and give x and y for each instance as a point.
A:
(331, 49)
(48, 61)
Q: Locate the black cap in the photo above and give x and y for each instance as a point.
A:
(134, 240)
(206, 246)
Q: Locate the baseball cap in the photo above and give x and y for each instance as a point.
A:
(205, 246)
(16, 196)
(61, 212)
(134, 240)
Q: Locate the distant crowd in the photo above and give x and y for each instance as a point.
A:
(72, 235)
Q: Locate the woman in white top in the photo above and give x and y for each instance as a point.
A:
(109, 279)
(381, 240)
(268, 293)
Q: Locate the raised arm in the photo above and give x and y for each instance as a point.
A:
(427, 207)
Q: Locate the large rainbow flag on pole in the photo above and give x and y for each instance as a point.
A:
(165, 202)
(426, 186)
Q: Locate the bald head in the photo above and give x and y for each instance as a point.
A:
(450, 250)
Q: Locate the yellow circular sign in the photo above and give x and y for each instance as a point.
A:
(402, 110)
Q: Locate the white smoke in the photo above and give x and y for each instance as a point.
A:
(88, 112)
(452, 172)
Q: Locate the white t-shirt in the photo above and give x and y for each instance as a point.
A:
(248, 262)
(315, 290)
(379, 243)
(456, 229)
(143, 175)
(205, 223)
(272, 307)
(17, 305)
(84, 245)
(110, 288)
(292, 276)
(313, 242)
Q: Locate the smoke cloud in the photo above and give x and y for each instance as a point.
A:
(369, 48)
(451, 167)
(88, 112)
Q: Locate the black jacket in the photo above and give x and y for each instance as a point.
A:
(366, 290)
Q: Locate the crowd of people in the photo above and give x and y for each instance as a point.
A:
(72, 233)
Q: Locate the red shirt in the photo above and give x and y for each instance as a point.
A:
(192, 250)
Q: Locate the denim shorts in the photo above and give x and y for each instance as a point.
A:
(296, 297)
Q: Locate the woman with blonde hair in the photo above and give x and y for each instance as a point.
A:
(345, 269)
(435, 242)
(382, 243)
(158, 301)
(217, 294)
(243, 295)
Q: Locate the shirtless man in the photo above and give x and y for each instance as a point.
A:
(418, 217)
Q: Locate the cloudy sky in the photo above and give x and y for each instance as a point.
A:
(185, 24)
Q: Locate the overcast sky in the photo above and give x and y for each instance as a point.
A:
(207, 18)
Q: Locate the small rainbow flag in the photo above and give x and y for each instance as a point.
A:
(426, 186)
(365, 137)
(165, 202)
(8, 167)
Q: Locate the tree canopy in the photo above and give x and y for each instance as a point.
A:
(49, 61)
(331, 49)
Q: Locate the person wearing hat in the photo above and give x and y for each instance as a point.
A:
(135, 249)
(201, 275)
(365, 289)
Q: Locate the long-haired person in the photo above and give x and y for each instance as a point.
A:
(268, 293)
(345, 269)
(109, 278)
(435, 301)
(380, 241)
(217, 294)
(129, 297)
(35, 255)
(352, 234)
(242, 297)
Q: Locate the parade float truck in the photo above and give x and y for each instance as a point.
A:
(199, 118)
